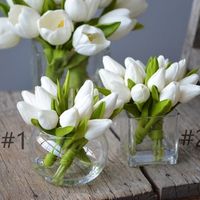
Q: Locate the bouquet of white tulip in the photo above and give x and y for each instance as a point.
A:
(148, 92)
(69, 31)
(77, 119)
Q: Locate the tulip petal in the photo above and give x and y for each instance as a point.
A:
(162, 61)
(140, 93)
(192, 79)
(97, 127)
(29, 98)
(49, 85)
(48, 119)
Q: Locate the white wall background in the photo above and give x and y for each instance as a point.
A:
(165, 28)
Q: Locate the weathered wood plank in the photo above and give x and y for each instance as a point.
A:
(181, 180)
(191, 47)
(20, 182)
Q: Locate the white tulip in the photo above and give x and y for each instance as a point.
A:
(55, 27)
(140, 93)
(110, 104)
(171, 92)
(134, 71)
(48, 119)
(50, 146)
(192, 79)
(81, 10)
(10, 2)
(136, 7)
(8, 38)
(43, 98)
(69, 118)
(113, 66)
(108, 77)
(162, 61)
(89, 40)
(119, 15)
(35, 4)
(29, 98)
(124, 94)
(188, 92)
(49, 85)
(86, 89)
(182, 68)
(157, 79)
(104, 3)
(97, 128)
(27, 111)
(24, 21)
(85, 106)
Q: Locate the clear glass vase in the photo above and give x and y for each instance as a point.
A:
(85, 70)
(49, 157)
(149, 140)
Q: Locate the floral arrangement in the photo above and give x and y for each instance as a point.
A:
(148, 92)
(69, 31)
(75, 118)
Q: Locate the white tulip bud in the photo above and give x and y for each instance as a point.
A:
(86, 89)
(171, 92)
(48, 119)
(35, 4)
(27, 112)
(162, 61)
(113, 66)
(110, 104)
(134, 71)
(140, 93)
(108, 77)
(69, 118)
(97, 128)
(8, 38)
(157, 79)
(24, 21)
(49, 85)
(89, 40)
(192, 79)
(10, 2)
(188, 92)
(43, 98)
(122, 16)
(85, 106)
(29, 98)
(136, 7)
(55, 27)
(182, 69)
(104, 3)
(81, 10)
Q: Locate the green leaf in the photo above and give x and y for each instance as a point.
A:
(48, 53)
(82, 155)
(139, 106)
(116, 112)
(81, 129)
(76, 60)
(96, 99)
(110, 7)
(193, 71)
(53, 104)
(20, 2)
(48, 5)
(132, 109)
(138, 26)
(99, 111)
(66, 84)
(109, 29)
(59, 91)
(130, 84)
(62, 4)
(155, 93)
(104, 91)
(61, 132)
(4, 8)
(161, 108)
(152, 67)
(93, 21)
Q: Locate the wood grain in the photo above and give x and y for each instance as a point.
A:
(20, 182)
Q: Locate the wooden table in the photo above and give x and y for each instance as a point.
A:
(18, 180)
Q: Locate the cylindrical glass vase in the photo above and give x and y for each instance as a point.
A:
(149, 140)
(47, 155)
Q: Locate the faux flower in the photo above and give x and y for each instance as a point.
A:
(192, 79)
(104, 3)
(8, 38)
(136, 7)
(89, 40)
(81, 10)
(162, 61)
(24, 21)
(140, 93)
(55, 27)
(119, 15)
(35, 4)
